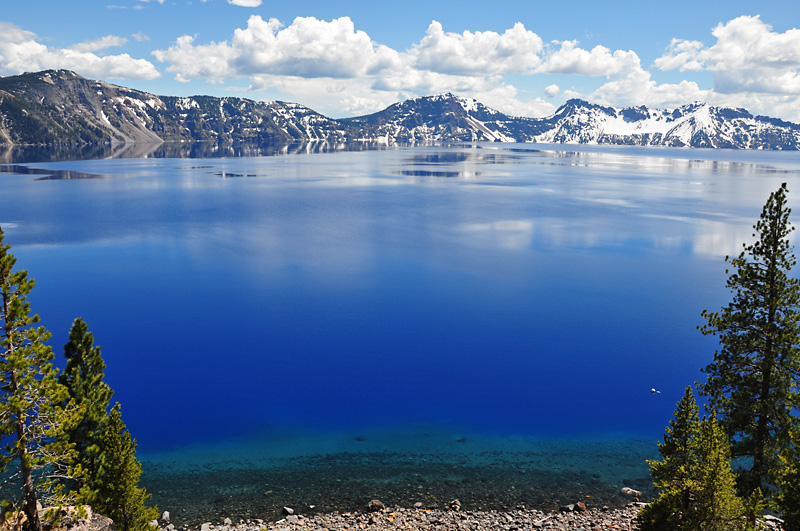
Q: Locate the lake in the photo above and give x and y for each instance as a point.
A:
(478, 314)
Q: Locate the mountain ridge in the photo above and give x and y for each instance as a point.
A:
(62, 107)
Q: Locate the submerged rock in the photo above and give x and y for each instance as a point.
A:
(375, 505)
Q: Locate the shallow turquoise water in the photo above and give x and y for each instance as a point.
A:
(255, 476)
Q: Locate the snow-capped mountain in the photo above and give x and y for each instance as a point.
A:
(448, 117)
(442, 117)
(695, 125)
(61, 107)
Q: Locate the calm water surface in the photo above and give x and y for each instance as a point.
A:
(426, 298)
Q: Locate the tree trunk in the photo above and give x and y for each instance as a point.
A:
(29, 507)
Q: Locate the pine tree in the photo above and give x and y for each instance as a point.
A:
(118, 493)
(789, 485)
(83, 378)
(672, 475)
(719, 508)
(32, 415)
(694, 480)
(754, 377)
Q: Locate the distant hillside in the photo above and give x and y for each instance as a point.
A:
(61, 107)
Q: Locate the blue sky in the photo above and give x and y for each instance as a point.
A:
(348, 58)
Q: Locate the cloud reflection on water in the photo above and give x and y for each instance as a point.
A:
(469, 288)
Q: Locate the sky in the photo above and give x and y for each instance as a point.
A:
(524, 58)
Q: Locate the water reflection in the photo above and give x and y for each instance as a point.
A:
(48, 175)
(25, 154)
(458, 158)
(233, 175)
(650, 159)
(446, 174)
(471, 161)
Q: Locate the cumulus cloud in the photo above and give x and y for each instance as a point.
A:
(552, 90)
(109, 41)
(637, 87)
(140, 36)
(20, 51)
(515, 51)
(245, 3)
(307, 48)
(682, 55)
(748, 56)
(599, 61)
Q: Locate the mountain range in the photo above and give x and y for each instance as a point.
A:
(58, 107)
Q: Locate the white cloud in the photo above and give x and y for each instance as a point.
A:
(20, 52)
(515, 51)
(600, 61)
(748, 56)
(552, 90)
(308, 48)
(109, 41)
(637, 88)
(681, 55)
(140, 36)
(245, 3)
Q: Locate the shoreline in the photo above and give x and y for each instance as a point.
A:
(375, 517)
(256, 481)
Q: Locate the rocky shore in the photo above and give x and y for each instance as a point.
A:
(377, 517)
(575, 517)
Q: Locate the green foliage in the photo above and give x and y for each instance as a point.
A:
(118, 495)
(695, 482)
(106, 453)
(34, 407)
(753, 379)
(788, 499)
(83, 378)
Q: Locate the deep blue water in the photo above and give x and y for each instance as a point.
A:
(511, 290)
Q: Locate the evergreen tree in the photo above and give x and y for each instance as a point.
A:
(719, 508)
(32, 412)
(83, 378)
(673, 474)
(118, 493)
(695, 482)
(789, 485)
(754, 377)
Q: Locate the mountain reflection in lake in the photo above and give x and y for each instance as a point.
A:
(455, 294)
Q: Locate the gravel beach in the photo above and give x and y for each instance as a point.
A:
(391, 519)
